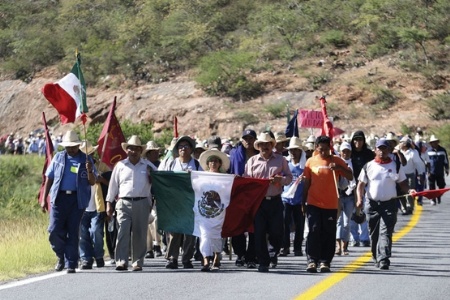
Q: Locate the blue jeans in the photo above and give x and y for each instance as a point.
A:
(91, 236)
(347, 204)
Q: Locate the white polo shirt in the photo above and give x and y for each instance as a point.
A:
(381, 179)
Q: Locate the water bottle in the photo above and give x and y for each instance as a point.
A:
(111, 224)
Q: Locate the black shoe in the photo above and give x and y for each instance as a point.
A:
(157, 250)
(149, 254)
(100, 262)
(365, 243)
(121, 268)
(172, 264)
(86, 265)
(298, 253)
(188, 265)
(239, 262)
(59, 265)
(384, 266)
(71, 270)
(251, 265)
(263, 269)
(274, 262)
(311, 268)
(284, 252)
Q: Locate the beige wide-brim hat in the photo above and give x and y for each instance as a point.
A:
(264, 137)
(433, 138)
(70, 139)
(90, 149)
(203, 159)
(295, 143)
(281, 137)
(133, 141)
(183, 138)
(151, 145)
(391, 137)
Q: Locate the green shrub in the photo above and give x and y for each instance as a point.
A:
(336, 38)
(247, 118)
(439, 107)
(318, 80)
(277, 110)
(384, 98)
(443, 133)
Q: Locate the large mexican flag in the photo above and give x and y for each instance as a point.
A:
(206, 204)
(68, 95)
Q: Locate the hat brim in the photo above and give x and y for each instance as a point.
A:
(70, 144)
(257, 142)
(144, 152)
(184, 138)
(214, 152)
(126, 145)
(91, 150)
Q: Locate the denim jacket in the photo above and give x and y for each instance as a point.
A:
(83, 186)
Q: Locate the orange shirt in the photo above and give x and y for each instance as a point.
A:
(322, 189)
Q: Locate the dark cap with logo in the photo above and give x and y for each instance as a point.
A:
(249, 132)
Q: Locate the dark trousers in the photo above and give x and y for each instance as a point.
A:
(382, 217)
(268, 221)
(65, 217)
(293, 213)
(321, 240)
(242, 249)
(438, 180)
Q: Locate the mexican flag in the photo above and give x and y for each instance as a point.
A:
(206, 204)
(68, 95)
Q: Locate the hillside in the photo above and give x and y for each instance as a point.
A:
(349, 104)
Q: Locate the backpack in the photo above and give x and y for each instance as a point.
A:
(172, 164)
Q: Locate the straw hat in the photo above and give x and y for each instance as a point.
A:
(133, 141)
(187, 139)
(433, 138)
(264, 137)
(90, 149)
(151, 145)
(214, 152)
(295, 143)
(281, 137)
(70, 139)
(391, 137)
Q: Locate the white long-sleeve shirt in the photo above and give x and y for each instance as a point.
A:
(413, 162)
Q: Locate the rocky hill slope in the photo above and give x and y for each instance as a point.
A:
(350, 95)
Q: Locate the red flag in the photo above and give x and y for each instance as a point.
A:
(175, 127)
(327, 127)
(431, 194)
(246, 197)
(110, 141)
(48, 159)
(68, 95)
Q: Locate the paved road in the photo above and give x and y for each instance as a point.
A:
(419, 270)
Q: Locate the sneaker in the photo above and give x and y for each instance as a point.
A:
(273, 262)
(384, 266)
(284, 252)
(100, 262)
(188, 265)
(251, 265)
(311, 268)
(121, 267)
(355, 244)
(366, 243)
(239, 262)
(324, 268)
(157, 250)
(59, 265)
(71, 270)
(86, 265)
(150, 254)
(171, 264)
(112, 262)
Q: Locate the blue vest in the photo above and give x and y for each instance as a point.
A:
(83, 186)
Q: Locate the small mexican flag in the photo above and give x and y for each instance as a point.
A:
(68, 95)
(206, 204)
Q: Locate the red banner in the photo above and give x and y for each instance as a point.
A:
(310, 118)
(110, 141)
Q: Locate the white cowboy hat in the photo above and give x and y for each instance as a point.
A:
(264, 137)
(151, 145)
(214, 152)
(433, 138)
(70, 139)
(311, 139)
(133, 141)
(281, 137)
(391, 137)
(295, 143)
(90, 149)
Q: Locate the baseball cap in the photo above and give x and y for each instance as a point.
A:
(249, 132)
(382, 142)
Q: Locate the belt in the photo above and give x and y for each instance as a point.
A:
(68, 192)
(133, 198)
(277, 197)
(382, 201)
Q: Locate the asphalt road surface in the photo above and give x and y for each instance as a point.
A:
(420, 269)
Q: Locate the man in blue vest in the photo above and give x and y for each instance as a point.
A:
(69, 180)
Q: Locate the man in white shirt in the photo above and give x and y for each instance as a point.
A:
(130, 182)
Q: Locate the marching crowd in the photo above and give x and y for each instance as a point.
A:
(348, 191)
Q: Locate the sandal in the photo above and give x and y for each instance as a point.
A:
(345, 252)
(338, 251)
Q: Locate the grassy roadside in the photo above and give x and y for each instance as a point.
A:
(24, 246)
